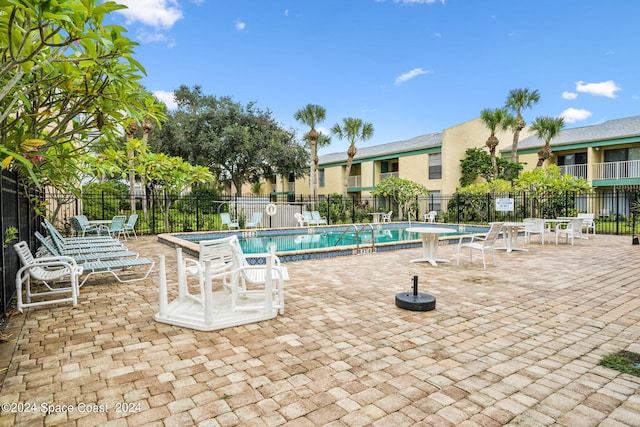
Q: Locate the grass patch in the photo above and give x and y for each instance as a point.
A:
(623, 361)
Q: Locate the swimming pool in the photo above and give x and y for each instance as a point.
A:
(295, 244)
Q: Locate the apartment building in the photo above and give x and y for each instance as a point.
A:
(606, 154)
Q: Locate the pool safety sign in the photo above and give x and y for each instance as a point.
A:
(504, 205)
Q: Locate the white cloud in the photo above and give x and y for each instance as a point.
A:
(569, 95)
(167, 97)
(239, 25)
(409, 75)
(608, 88)
(572, 115)
(323, 130)
(156, 13)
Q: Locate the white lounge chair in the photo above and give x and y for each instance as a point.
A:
(318, 219)
(570, 230)
(536, 226)
(226, 220)
(48, 271)
(256, 220)
(308, 218)
(49, 249)
(482, 244)
(430, 216)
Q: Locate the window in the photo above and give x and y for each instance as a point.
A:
(320, 177)
(435, 166)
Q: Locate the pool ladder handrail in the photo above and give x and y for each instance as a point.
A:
(373, 237)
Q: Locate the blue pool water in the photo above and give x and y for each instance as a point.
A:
(323, 242)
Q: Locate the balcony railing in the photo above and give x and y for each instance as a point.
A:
(617, 170)
(578, 171)
(388, 174)
(355, 181)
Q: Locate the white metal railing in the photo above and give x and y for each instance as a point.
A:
(355, 181)
(617, 170)
(388, 174)
(579, 171)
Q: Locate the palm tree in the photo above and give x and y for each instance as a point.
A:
(517, 100)
(546, 128)
(311, 115)
(496, 120)
(352, 130)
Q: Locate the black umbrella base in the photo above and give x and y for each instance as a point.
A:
(419, 302)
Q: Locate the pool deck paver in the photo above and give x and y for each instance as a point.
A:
(516, 344)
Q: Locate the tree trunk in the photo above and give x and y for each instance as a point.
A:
(543, 154)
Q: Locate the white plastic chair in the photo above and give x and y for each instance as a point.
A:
(570, 230)
(481, 244)
(226, 220)
(536, 226)
(386, 217)
(253, 279)
(256, 220)
(430, 216)
(588, 222)
(47, 270)
(301, 221)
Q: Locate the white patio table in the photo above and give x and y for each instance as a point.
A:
(430, 238)
(511, 236)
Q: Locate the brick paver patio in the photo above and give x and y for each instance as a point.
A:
(516, 344)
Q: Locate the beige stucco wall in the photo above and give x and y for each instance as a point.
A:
(416, 168)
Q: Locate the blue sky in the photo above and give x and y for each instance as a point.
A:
(409, 67)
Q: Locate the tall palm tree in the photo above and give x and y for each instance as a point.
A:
(311, 115)
(353, 130)
(546, 128)
(517, 100)
(496, 120)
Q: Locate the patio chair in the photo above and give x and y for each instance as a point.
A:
(83, 244)
(482, 244)
(319, 219)
(130, 226)
(49, 271)
(300, 220)
(226, 220)
(386, 217)
(251, 279)
(430, 216)
(536, 226)
(80, 225)
(309, 218)
(48, 248)
(217, 256)
(588, 222)
(570, 230)
(121, 268)
(256, 220)
(116, 228)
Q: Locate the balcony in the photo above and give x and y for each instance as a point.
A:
(616, 170)
(355, 181)
(578, 171)
(388, 174)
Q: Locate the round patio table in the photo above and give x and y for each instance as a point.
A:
(430, 237)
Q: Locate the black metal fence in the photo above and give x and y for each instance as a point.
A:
(614, 210)
(18, 222)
